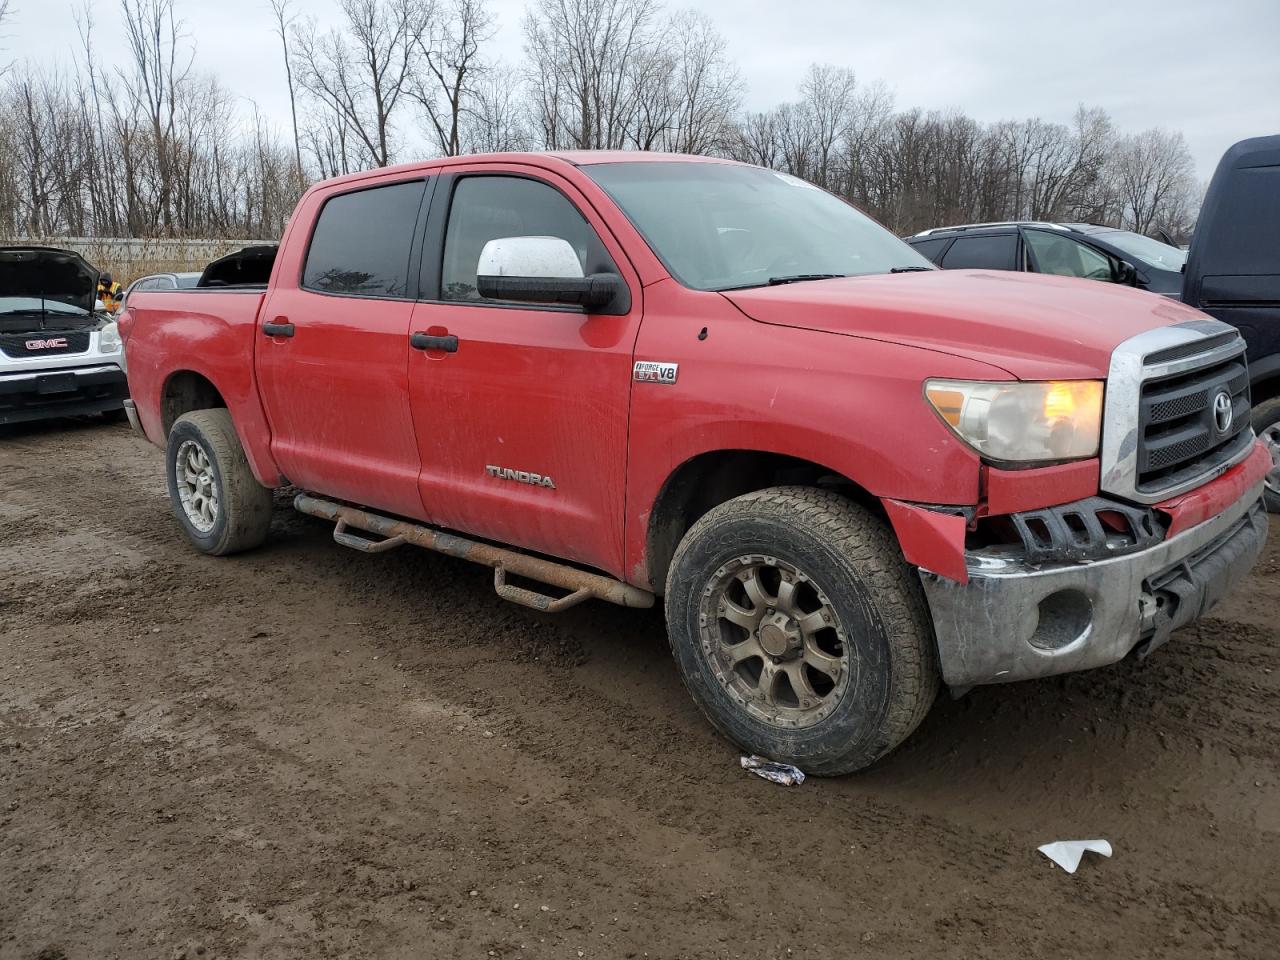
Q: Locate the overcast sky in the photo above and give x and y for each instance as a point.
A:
(1209, 69)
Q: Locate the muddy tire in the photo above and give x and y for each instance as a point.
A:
(215, 496)
(1266, 424)
(800, 631)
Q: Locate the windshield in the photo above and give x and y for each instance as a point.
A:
(11, 305)
(1151, 252)
(719, 226)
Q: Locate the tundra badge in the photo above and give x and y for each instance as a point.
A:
(520, 476)
(647, 371)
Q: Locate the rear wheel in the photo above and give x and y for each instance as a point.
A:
(800, 630)
(215, 496)
(1266, 423)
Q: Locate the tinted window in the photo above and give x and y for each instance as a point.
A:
(989, 253)
(490, 208)
(930, 248)
(361, 242)
(1064, 257)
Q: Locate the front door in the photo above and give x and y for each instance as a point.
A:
(333, 346)
(522, 429)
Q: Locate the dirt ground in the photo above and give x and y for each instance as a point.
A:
(305, 752)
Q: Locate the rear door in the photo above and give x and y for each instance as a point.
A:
(998, 251)
(522, 429)
(333, 344)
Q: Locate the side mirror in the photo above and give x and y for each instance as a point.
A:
(541, 270)
(1126, 273)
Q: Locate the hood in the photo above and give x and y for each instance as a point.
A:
(31, 275)
(1035, 327)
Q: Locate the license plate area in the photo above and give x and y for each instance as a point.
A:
(56, 383)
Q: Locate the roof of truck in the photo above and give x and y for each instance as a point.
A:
(577, 158)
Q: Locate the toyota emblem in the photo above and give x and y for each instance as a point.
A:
(1222, 412)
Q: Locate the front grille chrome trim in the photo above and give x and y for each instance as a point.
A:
(1121, 420)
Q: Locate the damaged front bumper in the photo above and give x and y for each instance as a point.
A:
(1014, 621)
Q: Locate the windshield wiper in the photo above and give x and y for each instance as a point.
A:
(912, 269)
(802, 277)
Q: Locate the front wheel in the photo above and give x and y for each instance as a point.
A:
(215, 496)
(800, 630)
(1266, 423)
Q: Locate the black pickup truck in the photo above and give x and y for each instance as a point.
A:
(1233, 273)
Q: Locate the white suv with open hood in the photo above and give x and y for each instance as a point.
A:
(60, 354)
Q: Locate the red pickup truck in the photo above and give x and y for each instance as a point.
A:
(849, 475)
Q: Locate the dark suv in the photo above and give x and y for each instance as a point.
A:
(1066, 249)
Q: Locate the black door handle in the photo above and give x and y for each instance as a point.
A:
(424, 341)
(278, 329)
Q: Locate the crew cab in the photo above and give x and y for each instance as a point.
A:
(60, 354)
(849, 475)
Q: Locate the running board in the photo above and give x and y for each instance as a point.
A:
(581, 584)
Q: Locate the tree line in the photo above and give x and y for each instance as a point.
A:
(142, 143)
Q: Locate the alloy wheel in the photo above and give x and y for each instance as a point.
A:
(197, 488)
(774, 641)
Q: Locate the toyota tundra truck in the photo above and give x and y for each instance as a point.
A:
(850, 477)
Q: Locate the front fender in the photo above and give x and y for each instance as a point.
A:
(852, 406)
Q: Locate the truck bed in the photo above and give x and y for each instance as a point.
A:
(214, 330)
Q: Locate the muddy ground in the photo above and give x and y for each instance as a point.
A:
(305, 752)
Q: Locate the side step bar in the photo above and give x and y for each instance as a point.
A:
(581, 584)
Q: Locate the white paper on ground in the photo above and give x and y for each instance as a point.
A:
(1067, 853)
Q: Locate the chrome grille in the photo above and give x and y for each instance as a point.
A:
(1178, 434)
(1160, 432)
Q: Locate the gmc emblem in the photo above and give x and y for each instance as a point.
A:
(54, 343)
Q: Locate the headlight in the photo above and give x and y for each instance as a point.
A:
(109, 338)
(1022, 422)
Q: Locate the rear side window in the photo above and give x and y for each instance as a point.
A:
(360, 247)
(983, 253)
(492, 208)
(930, 248)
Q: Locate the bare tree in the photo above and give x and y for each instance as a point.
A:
(582, 59)
(153, 147)
(705, 86)
(1153, 176)
(497, 118)
(158, 69)
(6, 13)
(280, 10)
(360, 73)
(452, 66)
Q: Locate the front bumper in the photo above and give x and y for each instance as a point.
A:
(1012, 621)
(67, 392)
